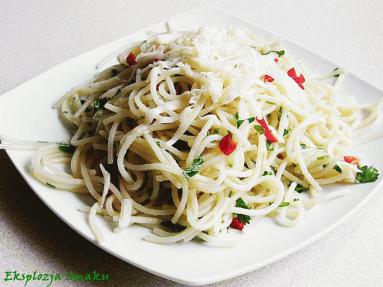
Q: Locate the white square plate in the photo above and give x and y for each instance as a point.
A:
(26, 113)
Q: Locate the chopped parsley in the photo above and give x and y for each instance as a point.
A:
(267, 173)
(296, 199)
(68, 148)
(285, 132)
(284, 204)
(303, 146)
(216, 131)
(239, 123)
(236, 116)
(259, 129)
(337, 168)
(99, 104)
(194, 168)
(280, 53)
(338, 72)
(367, 174)
(300, 188)
(51, 185)
(269, 145)
(243, 218)
(158, 143)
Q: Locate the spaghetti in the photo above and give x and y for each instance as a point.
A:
(193, 132)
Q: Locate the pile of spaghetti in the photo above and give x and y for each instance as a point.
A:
(194, 132)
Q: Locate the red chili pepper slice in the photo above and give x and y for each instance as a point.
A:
(237, 224)
(276, 60)
(301, 78)
(298, 79)
(268, 78)
(351, 159)
(131, 59)
(292, 73)
(227, 145)
(268, 134)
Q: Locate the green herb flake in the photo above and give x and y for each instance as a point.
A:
(194, 168)
(296, 199)
(230, 164)
(259, 129)
(216, 132)
(367, 174)
(67, 148)
(338, 70)
(269, 145)
(322, 157)
(337, 168)
(285, 132)
(270, 103)
(279, 53)
(300, 188)
(50, 185)
(230, 193)
(239, 123)
(284, 204)
(241, 204)
(303, 146)
(158, 143)
(99, 104)
(236, 116)
(267, 173)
